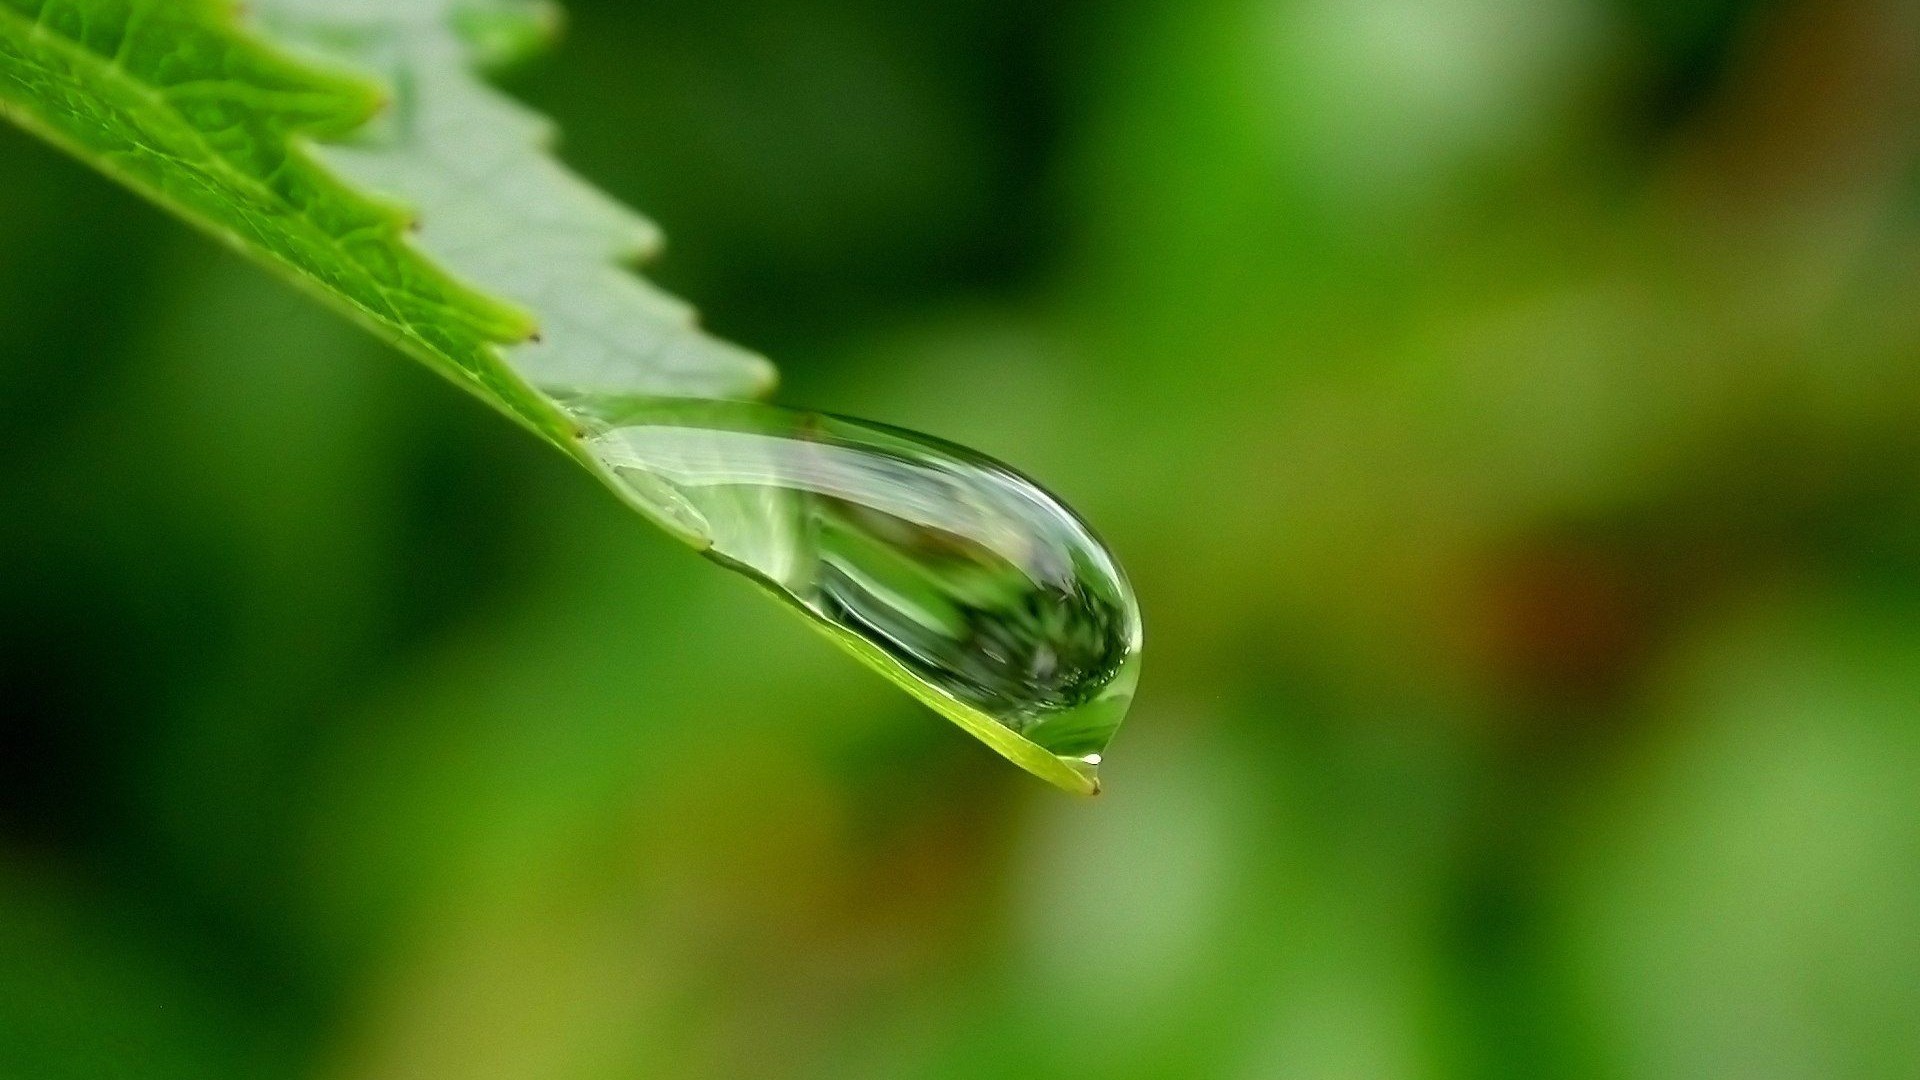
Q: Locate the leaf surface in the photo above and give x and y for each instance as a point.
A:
(352, 145)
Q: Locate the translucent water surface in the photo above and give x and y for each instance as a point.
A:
(958, 578)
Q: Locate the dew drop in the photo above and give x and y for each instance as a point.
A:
(950, 573)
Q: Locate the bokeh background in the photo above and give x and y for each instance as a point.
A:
(1509, 412)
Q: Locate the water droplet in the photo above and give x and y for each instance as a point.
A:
(956, 577)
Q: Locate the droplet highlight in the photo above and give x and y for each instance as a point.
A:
(961, 580)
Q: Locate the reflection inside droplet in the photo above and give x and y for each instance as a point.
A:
(954, 575)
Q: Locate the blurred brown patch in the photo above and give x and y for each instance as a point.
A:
(1564, 623)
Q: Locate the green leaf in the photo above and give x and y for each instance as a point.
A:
(351, 145)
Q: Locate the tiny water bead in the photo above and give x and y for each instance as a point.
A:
(950, 573)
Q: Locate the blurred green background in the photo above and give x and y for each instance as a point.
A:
(1508, 411)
